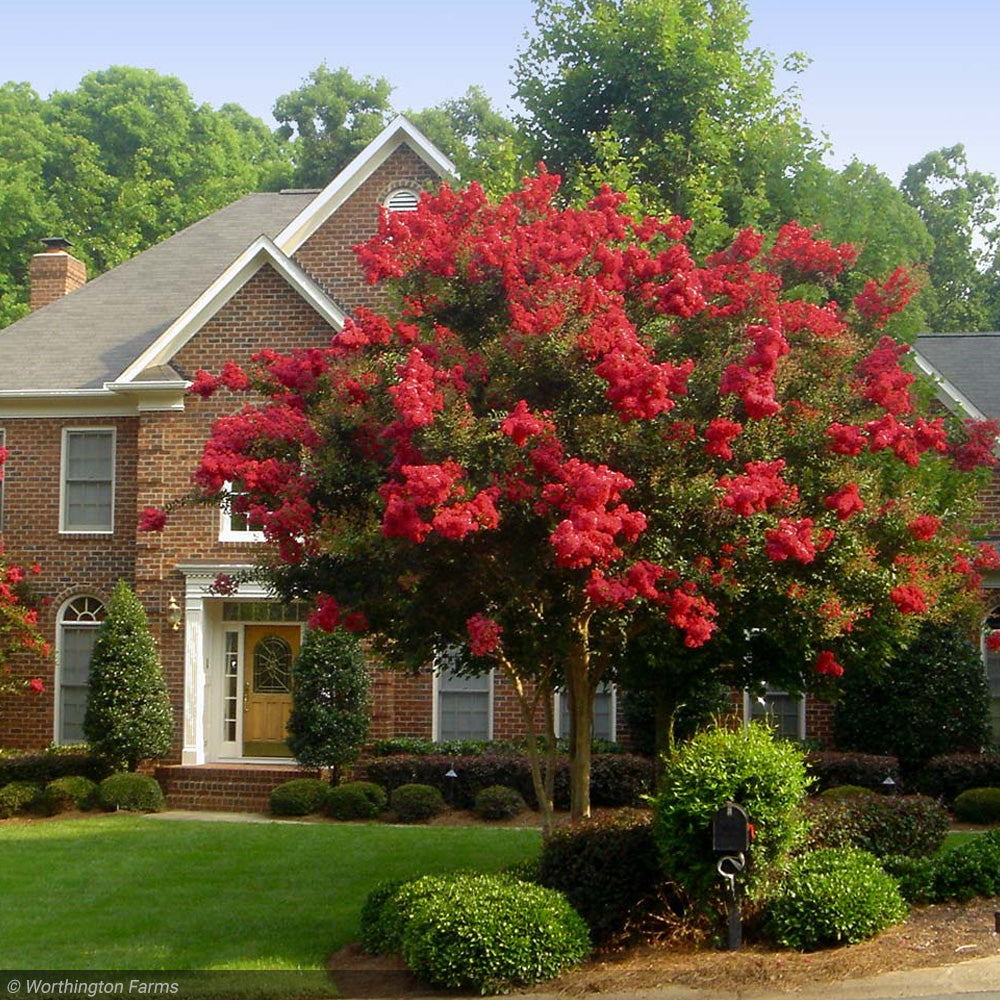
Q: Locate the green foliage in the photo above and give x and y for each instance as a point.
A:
(606, 867)
(417, 746)
(489, 933)
(329, 119)
(928, 700)
(413, 803)
(764, 775)
(56, 762)
(971, 869)
(299, 797)
(947, 776)
(845, 792)
(834, 896)
(331, 700)
(912, 824)
(75, 792)
(131, 792)
(18, 796)
(355, 800)
(379, 928)
(829, 768)
(978, 805)
(128, 716)
(499, 802)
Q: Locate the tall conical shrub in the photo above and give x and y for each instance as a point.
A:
(128, 716)
(331, 709)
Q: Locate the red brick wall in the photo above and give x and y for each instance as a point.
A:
(327, 254)
(71, 564)
(54, 275)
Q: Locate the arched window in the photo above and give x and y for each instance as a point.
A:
(402, 200)
(991, 663)
(78, 623)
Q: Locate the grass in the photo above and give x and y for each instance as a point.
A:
(955, 838)
(130, 892)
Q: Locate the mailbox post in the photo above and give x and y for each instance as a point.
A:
(731, 839)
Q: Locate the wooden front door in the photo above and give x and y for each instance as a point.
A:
(268, 652)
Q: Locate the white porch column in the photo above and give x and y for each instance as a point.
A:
(195, 676)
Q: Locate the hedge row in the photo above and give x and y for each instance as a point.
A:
(831, 768)
(948, 776)
(41, 768)
(418, 746)
(615, 779)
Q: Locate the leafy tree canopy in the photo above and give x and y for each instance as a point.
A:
(570, 430)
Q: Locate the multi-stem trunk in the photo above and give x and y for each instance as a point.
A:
(580, 688)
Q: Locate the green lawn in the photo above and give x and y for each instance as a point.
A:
(133, 892)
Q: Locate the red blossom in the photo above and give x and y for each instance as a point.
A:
(326, 616)
(827, 664)
(883, 381)
(799, 251)
(977, 449)
(152, 519)
(718, 435)
(846, 501)
(759, 489)
(846, 439)
(791, 540)
(521, 424)
(924, 527)
(909, 599)
(993, 640)
(877, 302)
(484, 635)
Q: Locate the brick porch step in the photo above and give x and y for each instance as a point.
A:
(225, 787)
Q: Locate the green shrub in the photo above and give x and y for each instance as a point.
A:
(353, 801)
(931, 698)
(130, 791)
(18, 796)
(908, 824)
(299, 797)
(528, 870)
(978, 805)
(915, 876)
(128, 717)
(845, 792)
(489, 933)
(829, 768)
(969, 870)
(947, 776)
(379, 933)
(765, 775)
(604, 866)
(499, 802)
(834, 896)
(331, 700)
(75, 792)
(414, 802)
(57, 762)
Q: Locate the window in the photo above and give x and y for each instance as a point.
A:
(785, 712)
(78, 624)
(464, 711)
(88, 480)
(991, 663)
(235, 525)
(603, 717)
(402, 200)
(3, 454)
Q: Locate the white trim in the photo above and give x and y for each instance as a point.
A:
(3, 471)
(66, 432)
(557, 712)
(227, 533)
(395, 134)
(262, 251)
(777, 693)
(436, 709)
(58, 665)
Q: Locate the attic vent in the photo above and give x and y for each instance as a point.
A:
(402, 200)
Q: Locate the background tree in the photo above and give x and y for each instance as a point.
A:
(959, 208)
(929, 699)
(329, 119)
(331, 701)
(570, 430)
(128, 717)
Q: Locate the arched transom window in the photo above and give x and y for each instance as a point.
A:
(78, 624)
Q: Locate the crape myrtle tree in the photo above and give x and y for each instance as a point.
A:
(568, 431)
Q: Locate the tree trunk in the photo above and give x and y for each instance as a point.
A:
(528, 706)
(580, 689)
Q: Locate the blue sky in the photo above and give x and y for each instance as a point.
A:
(888, 82)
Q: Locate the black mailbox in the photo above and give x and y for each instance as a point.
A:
(731, 829)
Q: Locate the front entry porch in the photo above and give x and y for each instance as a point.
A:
(225, 787)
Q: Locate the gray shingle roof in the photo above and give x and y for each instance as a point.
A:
(970, 362)
(90, 336)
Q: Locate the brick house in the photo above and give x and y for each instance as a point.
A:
(97, 422)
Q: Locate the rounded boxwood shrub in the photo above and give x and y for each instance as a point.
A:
(978, 805)
(499, 802)
(75, 792)
(835, 895)
(130, 791)
(490, 932)
(845, 792)
(414, 802)
(752, 767)
(299, 797)
(18, 796)
(605, 866)
(388, 909)
(355, 800)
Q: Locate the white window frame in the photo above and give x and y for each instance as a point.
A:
(602, 688)
(61, 625)
(402, 193)
(64, 528)
(436, 711)
(227, 533)
(749, 697)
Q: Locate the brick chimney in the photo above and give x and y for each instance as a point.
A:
(54, 273)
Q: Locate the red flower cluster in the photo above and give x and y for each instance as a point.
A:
(760, 488)
(846, 501)
(924, 527)
(797, 249)
(718, 435)
(877, 302)
(883, 380)
(828, 665)
(484, 635)
(791, 540)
